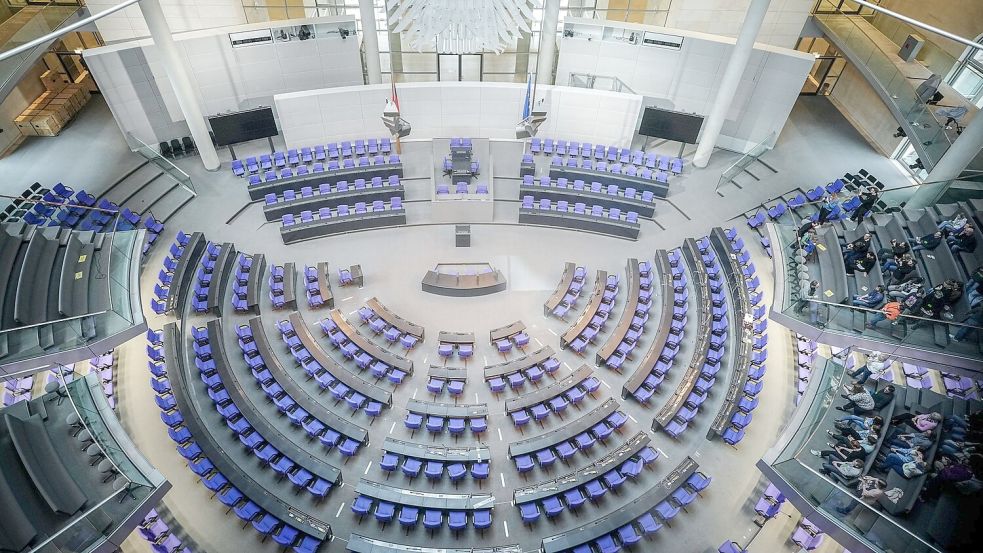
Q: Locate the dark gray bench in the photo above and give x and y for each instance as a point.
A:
(651, 357)
(44, 465)
(296, 182)
(566, 432)
(184, 273)
(31, 301)
(520, 364)
(546, 393)
(370, 347)
(605, 178)
(274, 212)
(424, 500)
(224, 267)
(555, 193)
(576, 221)
(593, 304)
(340, 224)
(627, 313)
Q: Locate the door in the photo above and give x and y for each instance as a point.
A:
(448, 67)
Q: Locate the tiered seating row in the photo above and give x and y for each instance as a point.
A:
(317, 286)
(651, 371)
(410, 458)
(177, 272)
(382, 500)
(554, 398)
(303, 409)
(395, 328)
(283, 286)
(542, 212)
(572, 490)
(246, 286)
(627, 199)
(591, 322)
(751, 341)
(563, 442)
(643, 516)
(567, 291)
(624, 338)
(609, 153)
(234, 487)
(453, 417)
(461, 342)
(531, 367)
(324, 195)
(318, 153)
(366, 353)
(693, 389)
(362, 216)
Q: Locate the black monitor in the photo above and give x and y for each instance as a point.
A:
(671, 125)
(243, 126)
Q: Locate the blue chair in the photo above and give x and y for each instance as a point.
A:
(408, 516)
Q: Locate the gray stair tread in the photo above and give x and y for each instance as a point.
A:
(151, 193)
(130, 184)
(171, 203)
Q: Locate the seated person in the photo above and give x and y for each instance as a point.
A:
(859, 423)
(952, 291)
(899, 271)
(928, 242)
(963, 241)
(906, 462)
(859, 246)
(884, 396)
(845, 469)
(920, 440)
(900, 291)
(863, 263)
(871, 489)
(954, 475)
(850, 452)
(859, 434)
(932, 306)
(974, 287)
(972, 319)
(920, 422)
(955, 224)
(898, 248)
(870, 299)
(858, 399)
(875, 366)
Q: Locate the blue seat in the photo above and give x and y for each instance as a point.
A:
(408, 516)
(529, 512)
(384, 511)
(432, 519)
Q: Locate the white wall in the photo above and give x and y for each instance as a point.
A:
(140, 96)
(486, 110)
(686, 79)
(182, 15)
(782, 26)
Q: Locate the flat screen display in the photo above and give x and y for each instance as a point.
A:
(671, 125)
(243, 126)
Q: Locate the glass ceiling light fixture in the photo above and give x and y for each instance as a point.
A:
(461, 26)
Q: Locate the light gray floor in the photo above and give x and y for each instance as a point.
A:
(817, 146)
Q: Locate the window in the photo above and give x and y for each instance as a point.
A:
(967, 77)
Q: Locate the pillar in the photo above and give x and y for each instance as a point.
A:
(736, 65)
(177, 73)
(370, 41)
(547, 43)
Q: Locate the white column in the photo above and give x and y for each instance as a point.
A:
(180, 81)
(370, 41)
(736, 65)
(547, 46)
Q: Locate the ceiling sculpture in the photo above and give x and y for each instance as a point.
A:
(461, 26)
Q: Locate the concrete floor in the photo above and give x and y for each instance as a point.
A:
(817, 146)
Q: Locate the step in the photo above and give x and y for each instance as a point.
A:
(171, 203)
(151, 193)
(131, 183)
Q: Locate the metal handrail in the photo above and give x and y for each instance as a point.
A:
(875, 310)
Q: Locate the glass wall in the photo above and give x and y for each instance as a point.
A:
(967, 76)
(515, 64)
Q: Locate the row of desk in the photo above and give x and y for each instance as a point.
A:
(370, 347)
(546, 393)
(290, 285)
(37, 267)
(744, 340)
(276, 211)
(258, 420)
(588, 197)
(651, 357)
(254, 282)
(506, 332)
(520, 364)
(424, 500)
(579, 221)
(447, 373)
(448, 410)
(621, 181)
(340, 224)
(296, 182)
(194, 407)
(593, 304)
(443, 284)
(304, 399)
(74, 297)
(456, 338)
(353, 381)
(184, 273)
(627, 314)
(560, 484)
(566, 280)
(358, 543)
(224, 267)
(565, 432)
(692, 256)
(324, 284)
(393, 319)
(607, 524)
(430, 452)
